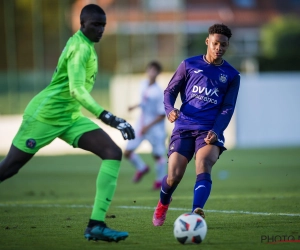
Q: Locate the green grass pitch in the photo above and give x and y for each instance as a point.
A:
(255, 200)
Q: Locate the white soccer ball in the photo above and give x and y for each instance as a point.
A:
(190, 228)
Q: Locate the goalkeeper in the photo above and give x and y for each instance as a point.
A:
(55, 113)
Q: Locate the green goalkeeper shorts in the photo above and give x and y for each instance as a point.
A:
(33, 134)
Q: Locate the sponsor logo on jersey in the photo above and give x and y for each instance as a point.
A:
(206, 94)
(204, 98)
(223, 78)
(30, 143)
(206, 91)
(198, 71)
(172, 146)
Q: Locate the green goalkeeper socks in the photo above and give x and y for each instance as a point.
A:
(105, 188)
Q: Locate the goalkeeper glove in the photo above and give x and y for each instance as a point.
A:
(118, 123)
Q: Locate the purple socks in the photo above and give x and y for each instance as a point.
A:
(166, 191)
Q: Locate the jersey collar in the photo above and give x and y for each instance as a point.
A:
(79, 32)
(204, 58)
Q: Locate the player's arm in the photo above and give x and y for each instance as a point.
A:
(77, 76)
(227, 108)
(133, 107)
(172, 91)
(77, 60)
(158, 119)
(159, 109)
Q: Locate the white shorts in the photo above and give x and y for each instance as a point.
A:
(157, 141)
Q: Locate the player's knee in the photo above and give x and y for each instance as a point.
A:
(205, 164)
(208, 164)
(114, 153)
(118, 153)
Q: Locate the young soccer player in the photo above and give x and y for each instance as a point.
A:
(208, 87)
(55, 112)
(150, 126)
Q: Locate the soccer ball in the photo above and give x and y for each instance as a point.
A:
(190, 228)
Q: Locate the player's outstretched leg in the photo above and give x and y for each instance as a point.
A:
(104, 233)
(99, 143)
(138, 163)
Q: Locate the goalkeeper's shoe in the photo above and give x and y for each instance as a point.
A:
(102, 232)
(199, 211)
(160, 214)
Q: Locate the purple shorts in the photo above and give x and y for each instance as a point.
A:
(187, 143)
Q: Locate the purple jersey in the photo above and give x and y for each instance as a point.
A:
(208, 93)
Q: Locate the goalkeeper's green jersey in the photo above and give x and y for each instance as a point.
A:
(61, 101)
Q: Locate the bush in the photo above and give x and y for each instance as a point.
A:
(280, 39)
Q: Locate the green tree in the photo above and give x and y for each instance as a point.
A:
(279, 44)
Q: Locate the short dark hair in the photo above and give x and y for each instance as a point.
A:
(156, 65)
(89, 10)
(220, 29)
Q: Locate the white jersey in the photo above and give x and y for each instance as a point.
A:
(151, 105)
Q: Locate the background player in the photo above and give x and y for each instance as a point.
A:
(150, 126)
(55, 112)
(208, 87)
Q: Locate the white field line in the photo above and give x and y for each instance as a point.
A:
(150, 208)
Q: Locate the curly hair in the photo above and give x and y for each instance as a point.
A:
(220, 29)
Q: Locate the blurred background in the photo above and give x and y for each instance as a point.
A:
(264, 48)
